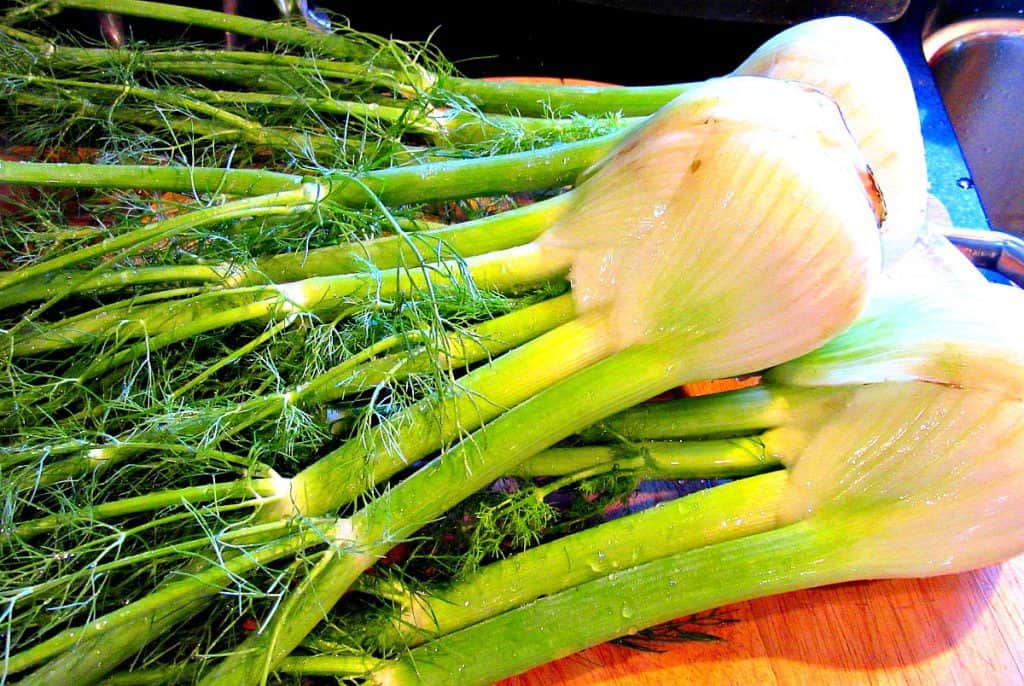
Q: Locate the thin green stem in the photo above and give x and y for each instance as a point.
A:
(83, 654)
(244, 488)
(467, 239)
(67, 282)
(537, 100)
(331, 665)
(193, 180)
(798, 556)
(158, 676)
(162, 323)
(193, 547)
(442, 126)
(710, 459)
(417, 122)
(24, 36)
(504, 97)
(174, 329)
(130, 633)
(291, 140)
(461, 468)
(93, 460)
(507, 97)
(279, 73)
(439, 129)
(344, 474)
(470, 127)
(358, 373)
(480, 342)
(101, 452)
(282, 74)
(549, 416)
(235, 355)
(725, 512)
(334, 45)
(300, 199)
(534, 170)
(163, 97)
(104, 457)
(733, 413)
(152, 315)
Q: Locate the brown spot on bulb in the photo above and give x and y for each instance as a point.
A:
(874, 194)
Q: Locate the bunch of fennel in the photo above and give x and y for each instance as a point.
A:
(619, 338)
(785, 181)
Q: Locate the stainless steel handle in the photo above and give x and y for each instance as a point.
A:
(994, 250)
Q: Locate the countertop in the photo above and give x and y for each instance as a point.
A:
(965, 629)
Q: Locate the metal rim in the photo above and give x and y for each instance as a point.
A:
(952, 36)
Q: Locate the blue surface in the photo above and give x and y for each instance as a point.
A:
(948, 173)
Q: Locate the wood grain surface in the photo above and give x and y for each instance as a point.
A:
(965, 629)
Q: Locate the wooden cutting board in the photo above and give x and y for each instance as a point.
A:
(962, 629)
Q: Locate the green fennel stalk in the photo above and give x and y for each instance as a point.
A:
(475, 237)
(301, 199)
(328, 44)
(460, 178)
(163, 322)
(776, 561)
(183, 179)
(358, 373)
(767, 423)
(890, 135)
(723, 512)
(711, 459)
(513, 172)
(210, 115)
(294, 104)
(443, 180)
(525, 221)
(528, 99)
(640, 367)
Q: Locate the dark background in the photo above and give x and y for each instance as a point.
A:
(566, 38)
(529, 37)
